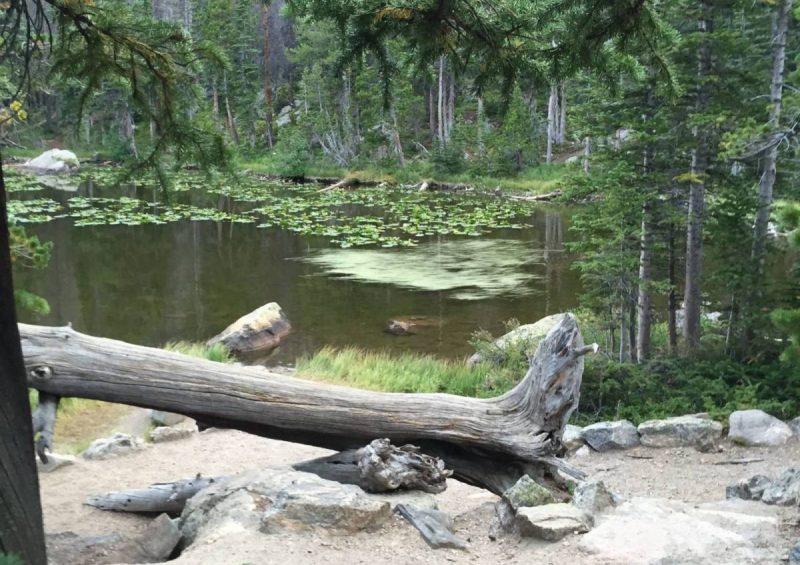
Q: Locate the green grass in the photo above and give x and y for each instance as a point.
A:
(402, 373)
(216, 352)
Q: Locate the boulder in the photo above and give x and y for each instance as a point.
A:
(277, 499)
(551, 522)
(54, 461)
(681, 431)
(113, 446)
(757, 428)
(260, 331)
(785, 490)
(794, 554)
(524, 339)
(416, 498)
(594, 497)
(572, 438)
(649, 531)
(172, 433)
(605, 436)
(795, 426)
(527, 492)
(749, 489)
(503, 521)
(154, 545)
(161, 418)
(54, 161)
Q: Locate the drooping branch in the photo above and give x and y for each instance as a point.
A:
(487, 442)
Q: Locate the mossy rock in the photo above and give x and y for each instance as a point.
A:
(527, 492)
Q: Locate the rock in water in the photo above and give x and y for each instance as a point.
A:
(593, 497)
(650, 531)
(757, 428)
(114, 446)
(154, 545)
(54, 161)
(435, 527)
(552, 522)
(524, 339)
(681, 431)
(749, 489)
(527, 492)
(260, 331)
(274, 500)
(605, 436)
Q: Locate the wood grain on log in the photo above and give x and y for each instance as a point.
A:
(487, 442)
(157, 498)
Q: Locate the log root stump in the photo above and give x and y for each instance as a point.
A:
(489, 443)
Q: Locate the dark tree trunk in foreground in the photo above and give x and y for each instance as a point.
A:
(488, 443)
(21, 530)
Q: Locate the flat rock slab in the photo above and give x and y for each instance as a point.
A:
(649, 531)
(113, 446)
(279, 499)
(154, 545)
(605, 436)
(756, 428)
(435, 527)
(681, 431)
(552, 522)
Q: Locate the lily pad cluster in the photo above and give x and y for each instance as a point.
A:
(384, 216)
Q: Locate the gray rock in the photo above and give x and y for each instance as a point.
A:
(757, 428)
(416, 498)
(161, 418)
(795, 426)
(594, 497)
(113, 446)
(154, 545)
(54, 461)
(524, 339)
(681, 431)
(749, 489)
(605, 436)
(572, 438)
(259, 331)
(277, 499)
(527, 492)
(660, 532)
(504, 520)
(582, 452)
(172, 433)
(435, 527)
(794, 555)
(54, 161)
(552, 522)
(785, 490)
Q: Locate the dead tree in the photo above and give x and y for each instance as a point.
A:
(486, 442)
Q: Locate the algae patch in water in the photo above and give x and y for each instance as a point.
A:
(470, 269)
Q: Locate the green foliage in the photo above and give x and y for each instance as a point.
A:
(28, 252)
(12, 559)
(788, 319)
(216, 352)
(292, 155)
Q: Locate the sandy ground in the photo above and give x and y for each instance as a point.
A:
(680, 474)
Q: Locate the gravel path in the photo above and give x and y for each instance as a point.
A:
(680, 474)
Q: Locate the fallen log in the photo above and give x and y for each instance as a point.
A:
(490, 443)
(158, 498)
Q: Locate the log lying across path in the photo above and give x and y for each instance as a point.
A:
(488, 443)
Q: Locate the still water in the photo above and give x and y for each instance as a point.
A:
(187, 280)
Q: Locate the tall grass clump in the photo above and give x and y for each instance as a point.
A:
(216, 352)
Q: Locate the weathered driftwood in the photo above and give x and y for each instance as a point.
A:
(434, 526)
(487, 442)
(157, 498)
(382, 467)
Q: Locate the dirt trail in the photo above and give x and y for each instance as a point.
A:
(681, 474)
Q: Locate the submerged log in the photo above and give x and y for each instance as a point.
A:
(490, 443)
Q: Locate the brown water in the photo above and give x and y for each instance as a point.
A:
(187, 280)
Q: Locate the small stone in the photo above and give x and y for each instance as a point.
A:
(551, 522)
(582, 452)
(749, 489)
(593, 497)
(118, 444)
(54, 461)
(527, 492)
(605, 436)
(756, 428)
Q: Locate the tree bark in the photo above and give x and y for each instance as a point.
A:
(692, 298)
(267, 74)
(562, 115)
(21, 529)
(552, 110)
(672, 297)
(488, 443)
(587, 151)
(644, 303)
(440, 103)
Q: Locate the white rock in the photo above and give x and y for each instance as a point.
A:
(54, 161)
(572, 438)
(552, 522)
(656, 531)
(795, 426)
(107, 447)
(582, 452)
(605, 436)
(757, 428)
(524, 339)
(259, 331)
(681, 431)
(54, 461)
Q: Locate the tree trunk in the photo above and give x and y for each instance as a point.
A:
(21, 530)
(432, 113)
(398, 144)
(587, 151)
(440, 119)
(488, 443)
(552, 110)
(672, 298)
(562, 115)
(267, 73)
(451, 105)
(692, 298)
(644, 303)
(479, 128)
(129, 131)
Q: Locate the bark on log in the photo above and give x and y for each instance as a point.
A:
(382, 467)
(487, 442)
(157, 498)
